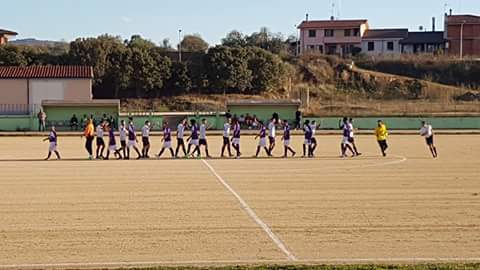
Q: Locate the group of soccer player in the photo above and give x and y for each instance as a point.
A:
(231, 139)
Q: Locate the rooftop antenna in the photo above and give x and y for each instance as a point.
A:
(339, 8)
(332, 17)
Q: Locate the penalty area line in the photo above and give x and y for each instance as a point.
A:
(252, 214)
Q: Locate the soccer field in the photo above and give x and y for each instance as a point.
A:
(406, 208)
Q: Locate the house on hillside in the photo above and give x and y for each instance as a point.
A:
(341, 37)
(462, 33)
(5, 35)
(423, 42)
(383, 41)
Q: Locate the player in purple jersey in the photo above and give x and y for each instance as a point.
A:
(194, 139)
(345, 145)
(167, 140)
(313, 146)
(132, 139)
(286, 140)
(52, 139)
(112, 143)
(307, 144)
(263, 139)
(236, 137)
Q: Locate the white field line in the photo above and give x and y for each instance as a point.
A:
(252, 214)
(79, 265)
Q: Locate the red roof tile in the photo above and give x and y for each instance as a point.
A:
(46, 72)
(332, 24)
(7, 32)
(459, 19)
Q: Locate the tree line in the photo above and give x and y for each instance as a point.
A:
(137, 67)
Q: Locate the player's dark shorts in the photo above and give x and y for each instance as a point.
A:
(383, 144)
(123, 144)
(100, 142)
(226, 140)
(313, 140)
(145, 141)
(180, 141)
(429, 140)
(202, 142)
(271, 140)
(351, 140)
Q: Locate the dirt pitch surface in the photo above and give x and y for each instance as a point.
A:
(405, 208)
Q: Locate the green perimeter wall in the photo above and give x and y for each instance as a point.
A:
(265, 112)
(214, 120)
(27, 123)
(65, 113)
(18, 123)
(405, 122)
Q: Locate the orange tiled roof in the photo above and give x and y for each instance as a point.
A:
(332, 24)
(458, 19)
(46, 72)
(7, 32)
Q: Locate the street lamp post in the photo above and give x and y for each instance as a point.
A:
(461, 40)
(297, 43)
(180, 45)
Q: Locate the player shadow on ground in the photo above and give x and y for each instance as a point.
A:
(319, 158)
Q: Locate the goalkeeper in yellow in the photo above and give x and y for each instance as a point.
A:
(382, 133)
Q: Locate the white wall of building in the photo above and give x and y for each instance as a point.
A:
(381, 46)
(40, 90)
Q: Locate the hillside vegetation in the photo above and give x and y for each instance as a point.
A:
(441, 69)
(257, 66)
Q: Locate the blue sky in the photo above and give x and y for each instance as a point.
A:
(159, 19)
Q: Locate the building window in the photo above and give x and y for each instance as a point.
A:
(328, 32)
(320, 48)
(312, 47)
(312, 33)
(371, 46)
(347, 32)
(390, 46)
(356, 32)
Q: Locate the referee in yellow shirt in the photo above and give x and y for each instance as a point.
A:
(382, 134)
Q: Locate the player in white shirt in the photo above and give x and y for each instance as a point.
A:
(427, 132)
(123, 138)
(313, 145)
(146, 139)
(345, 145)
(226, 138)
(351, 138)
(203, 136)
(180, 134)
(100, 141)
(271, 135)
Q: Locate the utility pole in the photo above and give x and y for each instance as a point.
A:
(461, 40)
(297, 42)
(180, 45)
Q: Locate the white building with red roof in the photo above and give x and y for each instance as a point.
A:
(342, 37)
(5, 35)
(34, 84)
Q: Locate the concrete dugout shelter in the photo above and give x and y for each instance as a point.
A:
(264, 109)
